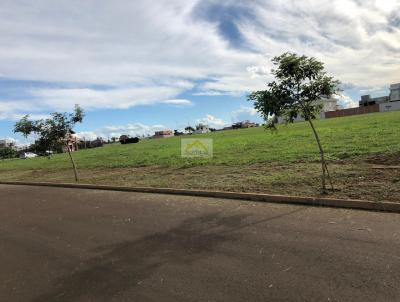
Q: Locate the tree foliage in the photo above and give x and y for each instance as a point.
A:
(299, 89)
(50, 131)
(8, 152)
(53, 131)
(190, 129)
(300, 83)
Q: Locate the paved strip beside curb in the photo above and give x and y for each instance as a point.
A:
(312, 201)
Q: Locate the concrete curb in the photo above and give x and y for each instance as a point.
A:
(383, 206)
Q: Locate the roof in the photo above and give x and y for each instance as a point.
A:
(162, 132)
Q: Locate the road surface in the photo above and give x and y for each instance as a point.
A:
(87, 245)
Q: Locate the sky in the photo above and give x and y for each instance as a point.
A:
(136, 66)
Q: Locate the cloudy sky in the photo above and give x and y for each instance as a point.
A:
(140, 65)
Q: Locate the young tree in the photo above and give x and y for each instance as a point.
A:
(8, 152)
(300, 86)
(52, 131)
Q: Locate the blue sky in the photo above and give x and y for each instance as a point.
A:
(138, 66)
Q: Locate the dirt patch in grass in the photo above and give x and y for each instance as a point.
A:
(384, 159)
(352, 179)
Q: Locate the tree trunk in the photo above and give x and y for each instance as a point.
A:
(324, 166)
(73, 164)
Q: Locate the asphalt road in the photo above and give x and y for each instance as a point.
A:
(83, 245)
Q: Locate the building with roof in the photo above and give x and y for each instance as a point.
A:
(369, 104)
(71, 142)
(394, 92)
(163, 134)
(4, 143)
(328, 104)
(394, 96)
(201, 129)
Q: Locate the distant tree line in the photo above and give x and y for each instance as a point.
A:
(8, 152)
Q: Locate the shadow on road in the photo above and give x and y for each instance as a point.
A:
(122, 266)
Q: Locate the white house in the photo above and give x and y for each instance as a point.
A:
(202, 128)
(394, 92)
(386, 103)
(328, 104)
(389, 106)
(6, 143)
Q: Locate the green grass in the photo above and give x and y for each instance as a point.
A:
(343, 138)
(247, 160)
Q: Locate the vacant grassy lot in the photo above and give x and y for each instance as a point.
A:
(245, 160)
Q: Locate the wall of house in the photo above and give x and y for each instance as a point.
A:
(390, 106)
(163, 135)
(330, 104)
(395, 92)
(281, 120)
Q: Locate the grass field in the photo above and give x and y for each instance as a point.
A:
(244, 160)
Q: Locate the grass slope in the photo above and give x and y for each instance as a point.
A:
(247, 160)
(342, 138)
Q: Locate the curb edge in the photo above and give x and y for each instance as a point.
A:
(383, 206)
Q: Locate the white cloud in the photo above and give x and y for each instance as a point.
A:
(245, 113)
(354, 39)
(386, 5)
(211, 92)
(212, 121)
(178, 102)
(22, 141)
(114, 98)
(346, 101)
(134, 129)
(64, 100)
(15, 110)
(150, 53)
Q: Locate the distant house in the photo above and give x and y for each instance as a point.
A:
(248, 124)
(202, 128)
(369, 104)
(123, 137)
(385, 103)
(366, 100)
(4, 143)
(395, 92)
(71, 142)
(163, 134)
(244, 124)
(328, 104)
(84, 144)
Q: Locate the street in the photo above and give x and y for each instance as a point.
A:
(88, 245)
